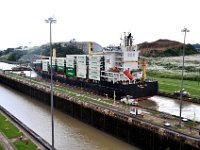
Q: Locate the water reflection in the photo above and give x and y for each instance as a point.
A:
(168, 105)
(6, 66)
(149, 104)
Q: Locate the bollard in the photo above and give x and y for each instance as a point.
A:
(38, 148)
(21, 137)
(27, 142)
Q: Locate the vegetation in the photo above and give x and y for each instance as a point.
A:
(168, 72)
(189, 50)
(11, 132)
(67, 49)
(25, 145)
(8, 128)
(16, 55)
(171, 67)
(7, 51)
(173, 75)
(62, 49)
(1, 147)
(172, 85)
(190, 123)
(196, 46)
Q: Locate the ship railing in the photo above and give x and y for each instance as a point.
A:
(115, 77)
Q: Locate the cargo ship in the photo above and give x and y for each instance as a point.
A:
(116, 71)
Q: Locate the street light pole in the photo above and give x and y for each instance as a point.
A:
(50, 21)
(181, 91)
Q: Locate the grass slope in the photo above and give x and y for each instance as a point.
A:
(8, 128)
(25, 145)
(11, 132)
(172, 85)
(1, 147)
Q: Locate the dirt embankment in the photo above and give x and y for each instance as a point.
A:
(158, 46)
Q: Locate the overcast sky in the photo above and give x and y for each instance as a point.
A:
(103, 21)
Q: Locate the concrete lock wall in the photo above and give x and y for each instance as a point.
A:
(131, 130)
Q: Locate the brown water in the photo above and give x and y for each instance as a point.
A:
(69, 133)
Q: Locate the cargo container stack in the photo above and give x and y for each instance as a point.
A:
(61, 65)
(53, 64)
(45, 65)
(82, 66)
(96, 64)
(70, 65)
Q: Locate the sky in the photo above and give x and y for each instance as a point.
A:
(103, 21)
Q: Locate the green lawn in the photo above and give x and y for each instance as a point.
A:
(11, 131)
(1, 147)
(23, 145)
(8, 128)
(171, 85)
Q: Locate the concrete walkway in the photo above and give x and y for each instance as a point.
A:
(6, 143)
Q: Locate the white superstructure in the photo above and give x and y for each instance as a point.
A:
(121, 63)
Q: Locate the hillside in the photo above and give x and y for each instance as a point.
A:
(158, 47)
(62, 49)
(197, 46)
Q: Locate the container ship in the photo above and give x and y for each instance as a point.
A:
(116, 71)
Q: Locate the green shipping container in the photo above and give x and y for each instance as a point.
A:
(60, 67)
(70, 72)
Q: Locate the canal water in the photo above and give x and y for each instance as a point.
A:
(6, 66)
(69, 133)
(172, 106)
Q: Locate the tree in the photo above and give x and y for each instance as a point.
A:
(16, 55)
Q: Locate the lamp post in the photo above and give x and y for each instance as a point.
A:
(185, 30)
(50, 21)
(30, 76)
